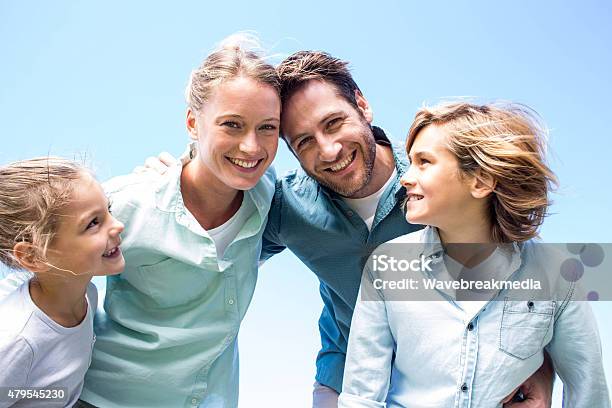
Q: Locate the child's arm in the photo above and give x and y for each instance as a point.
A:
(16, 358)
(368, 359)
(575, 350)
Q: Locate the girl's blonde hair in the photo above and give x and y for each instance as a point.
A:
(33, 193)
(507, 142)
(237, 55)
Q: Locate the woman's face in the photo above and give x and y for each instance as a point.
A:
(436, 193)
(236, 132)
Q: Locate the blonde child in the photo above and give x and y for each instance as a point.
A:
(479, 182)
(56, 225)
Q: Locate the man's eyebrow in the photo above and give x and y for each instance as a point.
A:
(329, 115)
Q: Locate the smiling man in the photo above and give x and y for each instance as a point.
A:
(343, 202)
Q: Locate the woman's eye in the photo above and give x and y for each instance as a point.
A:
(231, 124)
(425, 161)
(268, 127)
(92, 223)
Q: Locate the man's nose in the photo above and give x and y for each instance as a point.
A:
(328, 149)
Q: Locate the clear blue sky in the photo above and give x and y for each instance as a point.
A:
(105, 80)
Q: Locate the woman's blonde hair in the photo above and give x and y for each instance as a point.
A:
(507, 142)
(237, 55)
(33, 193)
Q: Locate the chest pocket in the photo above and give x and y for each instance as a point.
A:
(172, 283)
(525, 326)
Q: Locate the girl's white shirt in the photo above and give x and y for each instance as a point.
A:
(35, 351)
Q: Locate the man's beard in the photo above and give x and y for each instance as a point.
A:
(369, 157)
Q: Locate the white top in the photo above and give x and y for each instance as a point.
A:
(366, 206)
(35, 351)
(225, 233)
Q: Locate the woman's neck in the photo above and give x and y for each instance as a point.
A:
(62, 299)
(211, 202)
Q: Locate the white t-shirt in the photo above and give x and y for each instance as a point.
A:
(35, 351)
(225, 233)
(366, 206)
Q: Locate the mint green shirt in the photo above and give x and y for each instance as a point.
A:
(168, 334)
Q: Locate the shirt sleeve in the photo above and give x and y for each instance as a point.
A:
(575, 350)
(272, 241)
(369, 356)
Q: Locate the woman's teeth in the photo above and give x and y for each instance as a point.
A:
(342, 165)
(247, 164)
(414, 197)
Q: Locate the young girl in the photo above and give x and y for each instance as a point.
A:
(169, 335)
(478, 180)
(55, 223)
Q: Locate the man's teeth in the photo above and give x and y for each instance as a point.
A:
(342, 165)
(110, 251)
(415, 197)
(247, 164)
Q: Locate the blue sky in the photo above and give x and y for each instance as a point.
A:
(104, 80)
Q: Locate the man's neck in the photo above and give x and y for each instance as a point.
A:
(384, 164)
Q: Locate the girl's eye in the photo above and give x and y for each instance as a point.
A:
(93, 223)
(230, 124)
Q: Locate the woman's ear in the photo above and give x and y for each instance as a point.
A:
(482, 185)
(191, 124)
(25, 254)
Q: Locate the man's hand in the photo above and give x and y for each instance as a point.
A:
(159, 164)
(537, 390)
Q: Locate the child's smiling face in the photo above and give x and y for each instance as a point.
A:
(87, 238)
(436, 192)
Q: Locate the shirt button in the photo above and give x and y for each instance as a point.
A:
(349, 213)
(464, 387)
(194, 401)
(470, 326)
(231, 301)
(530, 305)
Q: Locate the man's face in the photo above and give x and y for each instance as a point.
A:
(331, 138)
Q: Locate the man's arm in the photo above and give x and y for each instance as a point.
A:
(536, 391)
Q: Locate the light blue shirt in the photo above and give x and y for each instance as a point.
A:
(447, 355)
(168, 337)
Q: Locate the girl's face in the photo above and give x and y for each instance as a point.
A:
(436, 194)
(87, 239)
(237, 132)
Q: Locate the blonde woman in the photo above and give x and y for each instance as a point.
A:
(479, 182)
(169, 335)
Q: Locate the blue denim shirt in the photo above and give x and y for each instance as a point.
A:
(442, 353)
(334, 242)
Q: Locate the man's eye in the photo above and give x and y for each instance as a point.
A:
(333, 123)
(303, 142)
(230, 124)
(92, 223)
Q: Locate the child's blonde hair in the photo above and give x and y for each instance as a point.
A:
(508, 142)
(32, 194)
